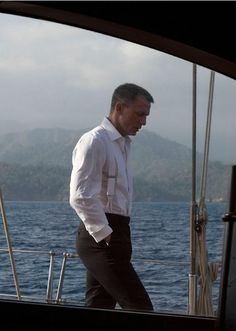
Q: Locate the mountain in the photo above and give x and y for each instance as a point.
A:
(39, 146)
(36, 165)
(36, 183)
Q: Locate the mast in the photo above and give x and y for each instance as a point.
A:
(192, 300)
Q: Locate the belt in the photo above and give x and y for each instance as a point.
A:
(117, 218)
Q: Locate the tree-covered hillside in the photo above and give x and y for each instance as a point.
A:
(36, 165)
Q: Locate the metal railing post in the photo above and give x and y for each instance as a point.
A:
(50, 277)
(61, 279)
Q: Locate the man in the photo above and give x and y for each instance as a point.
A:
(101, 194)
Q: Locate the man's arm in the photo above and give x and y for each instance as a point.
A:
(85, 186)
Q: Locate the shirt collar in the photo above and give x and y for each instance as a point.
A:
(113, 133)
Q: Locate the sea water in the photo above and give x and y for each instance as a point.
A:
(161, 250)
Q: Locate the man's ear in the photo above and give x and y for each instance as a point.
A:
(119, 107)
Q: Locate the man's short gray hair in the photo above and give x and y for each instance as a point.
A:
(129, 92)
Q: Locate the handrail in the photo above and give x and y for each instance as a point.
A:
(31, 251)
(67, 255)
(49, 291)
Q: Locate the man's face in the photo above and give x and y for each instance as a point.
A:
(133, 116)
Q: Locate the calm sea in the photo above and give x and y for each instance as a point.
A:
(160, 233)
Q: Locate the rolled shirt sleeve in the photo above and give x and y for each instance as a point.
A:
(88, 160)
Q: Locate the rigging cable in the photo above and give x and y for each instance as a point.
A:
(207, 271)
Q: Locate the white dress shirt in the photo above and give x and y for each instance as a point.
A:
(96, 152)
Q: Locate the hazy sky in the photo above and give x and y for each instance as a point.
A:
(52, 75)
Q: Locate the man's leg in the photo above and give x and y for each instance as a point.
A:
(96, 295)
(110, 266)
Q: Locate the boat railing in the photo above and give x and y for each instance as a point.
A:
(60, 274)
(69, 256)
(51, 254)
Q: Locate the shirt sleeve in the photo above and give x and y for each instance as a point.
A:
(85, 185)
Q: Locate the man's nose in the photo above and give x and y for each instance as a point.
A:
(143, 120)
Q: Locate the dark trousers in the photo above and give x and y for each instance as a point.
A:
(111, 277)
